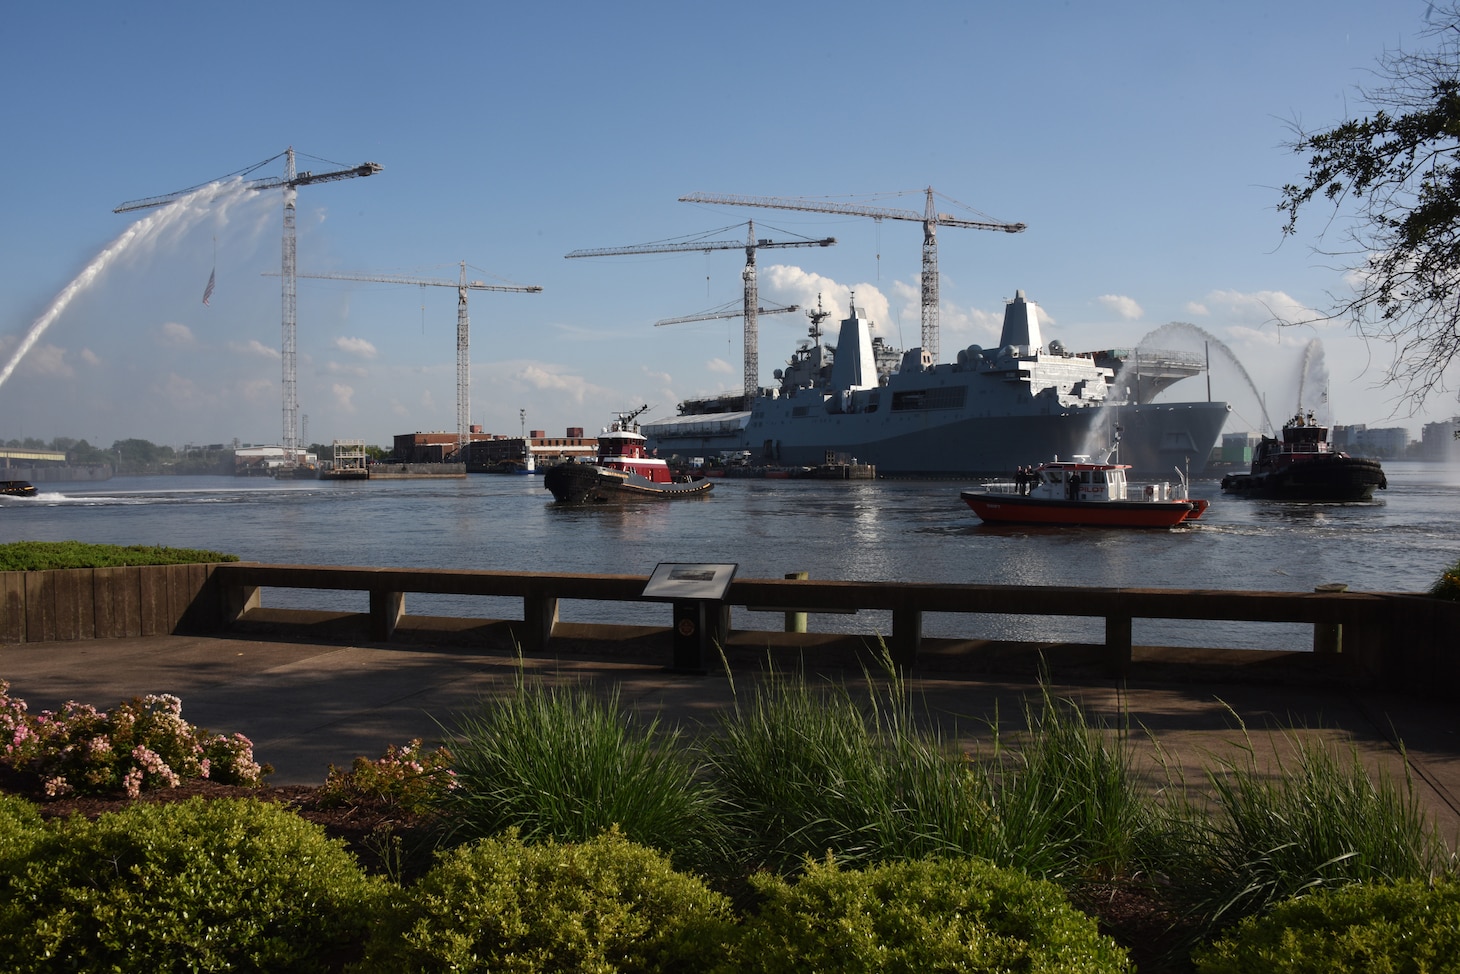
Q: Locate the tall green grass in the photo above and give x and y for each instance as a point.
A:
(565, 763)
(1322, 821)
(797, 771)
(806, 771)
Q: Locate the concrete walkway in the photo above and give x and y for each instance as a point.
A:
(309, 705)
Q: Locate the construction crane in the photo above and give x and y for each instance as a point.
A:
(289, 182)
(930, 219)
(463, 330)
(723, 313)
(752, 297)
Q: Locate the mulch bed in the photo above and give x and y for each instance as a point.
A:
(391, 842)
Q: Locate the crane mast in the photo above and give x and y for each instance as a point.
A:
(751, 354)
(291, 180)
(930, 218)
(463, 333)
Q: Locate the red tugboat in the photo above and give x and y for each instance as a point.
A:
(1084, 493)
(623, 469)
(1303, 467)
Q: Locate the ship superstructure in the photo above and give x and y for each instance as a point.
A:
(987, 412)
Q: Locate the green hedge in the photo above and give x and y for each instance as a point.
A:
(912, 917)
(220, 885)
(37, 556)
(1401, 928)
(600, 906)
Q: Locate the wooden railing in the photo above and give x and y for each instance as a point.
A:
(1384, 639)
(1394, 638)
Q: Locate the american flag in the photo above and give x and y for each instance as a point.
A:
(208, 291)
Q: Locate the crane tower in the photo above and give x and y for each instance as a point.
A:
(463, 329)
(930, 218)
(752, 298)
(290, 182)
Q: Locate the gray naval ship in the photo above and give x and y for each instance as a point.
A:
(991, 411)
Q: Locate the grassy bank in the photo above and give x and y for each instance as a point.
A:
(36, 556)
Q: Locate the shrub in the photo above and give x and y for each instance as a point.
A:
(601, 906)
(199, 886)
(141, 743)
(20, 828)
(916, 916)
(1404, 928)
(562, 763)
(406, 778)
(1447, 586)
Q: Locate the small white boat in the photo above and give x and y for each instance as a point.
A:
(1083, 492)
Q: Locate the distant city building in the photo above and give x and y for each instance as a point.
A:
(1438, 443)
(261, 460)
(546, 450)
(1387, 443)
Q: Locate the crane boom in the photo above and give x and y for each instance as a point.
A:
(289, 182)
(697, 245)
(273, 182)
(752, 297)
(713, 315)
(463, 333)
(930, 219)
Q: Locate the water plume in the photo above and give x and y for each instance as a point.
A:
(174, 219)
(1183, 329)
(1313, 371)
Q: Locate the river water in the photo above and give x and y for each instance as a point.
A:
(859, 530)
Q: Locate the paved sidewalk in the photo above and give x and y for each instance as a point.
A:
(308, 705)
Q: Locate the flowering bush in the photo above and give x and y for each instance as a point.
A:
(1447, 586)
(406, 777)
(141, 743)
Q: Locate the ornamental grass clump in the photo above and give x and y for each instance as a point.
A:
(916, 916)
(1408, 927)
(1066, 803)
(565, 763)
(141, 743)
(222, 885)
(803, 770)
(1323, 822)
(603, 906)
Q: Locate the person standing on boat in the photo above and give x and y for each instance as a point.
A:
(1020, 479)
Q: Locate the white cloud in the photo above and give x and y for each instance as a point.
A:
(46, 360)
(540, 378)
(1123, 306)
(355, 346)
(1196, 308)
(786, 284)
(89, 357)
(719, 366)
(176, 335)
(1262, 308)
(258, 390)
(254, 347)
(339, 368)
(344, 396)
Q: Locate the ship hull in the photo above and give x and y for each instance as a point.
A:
(586, 483)
(1002, 508)
(1154, 438)
(1325, 478)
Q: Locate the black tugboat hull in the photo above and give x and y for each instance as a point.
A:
(1328, 478)
(586, 483)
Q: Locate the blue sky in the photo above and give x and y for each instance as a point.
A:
(1142, 143)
